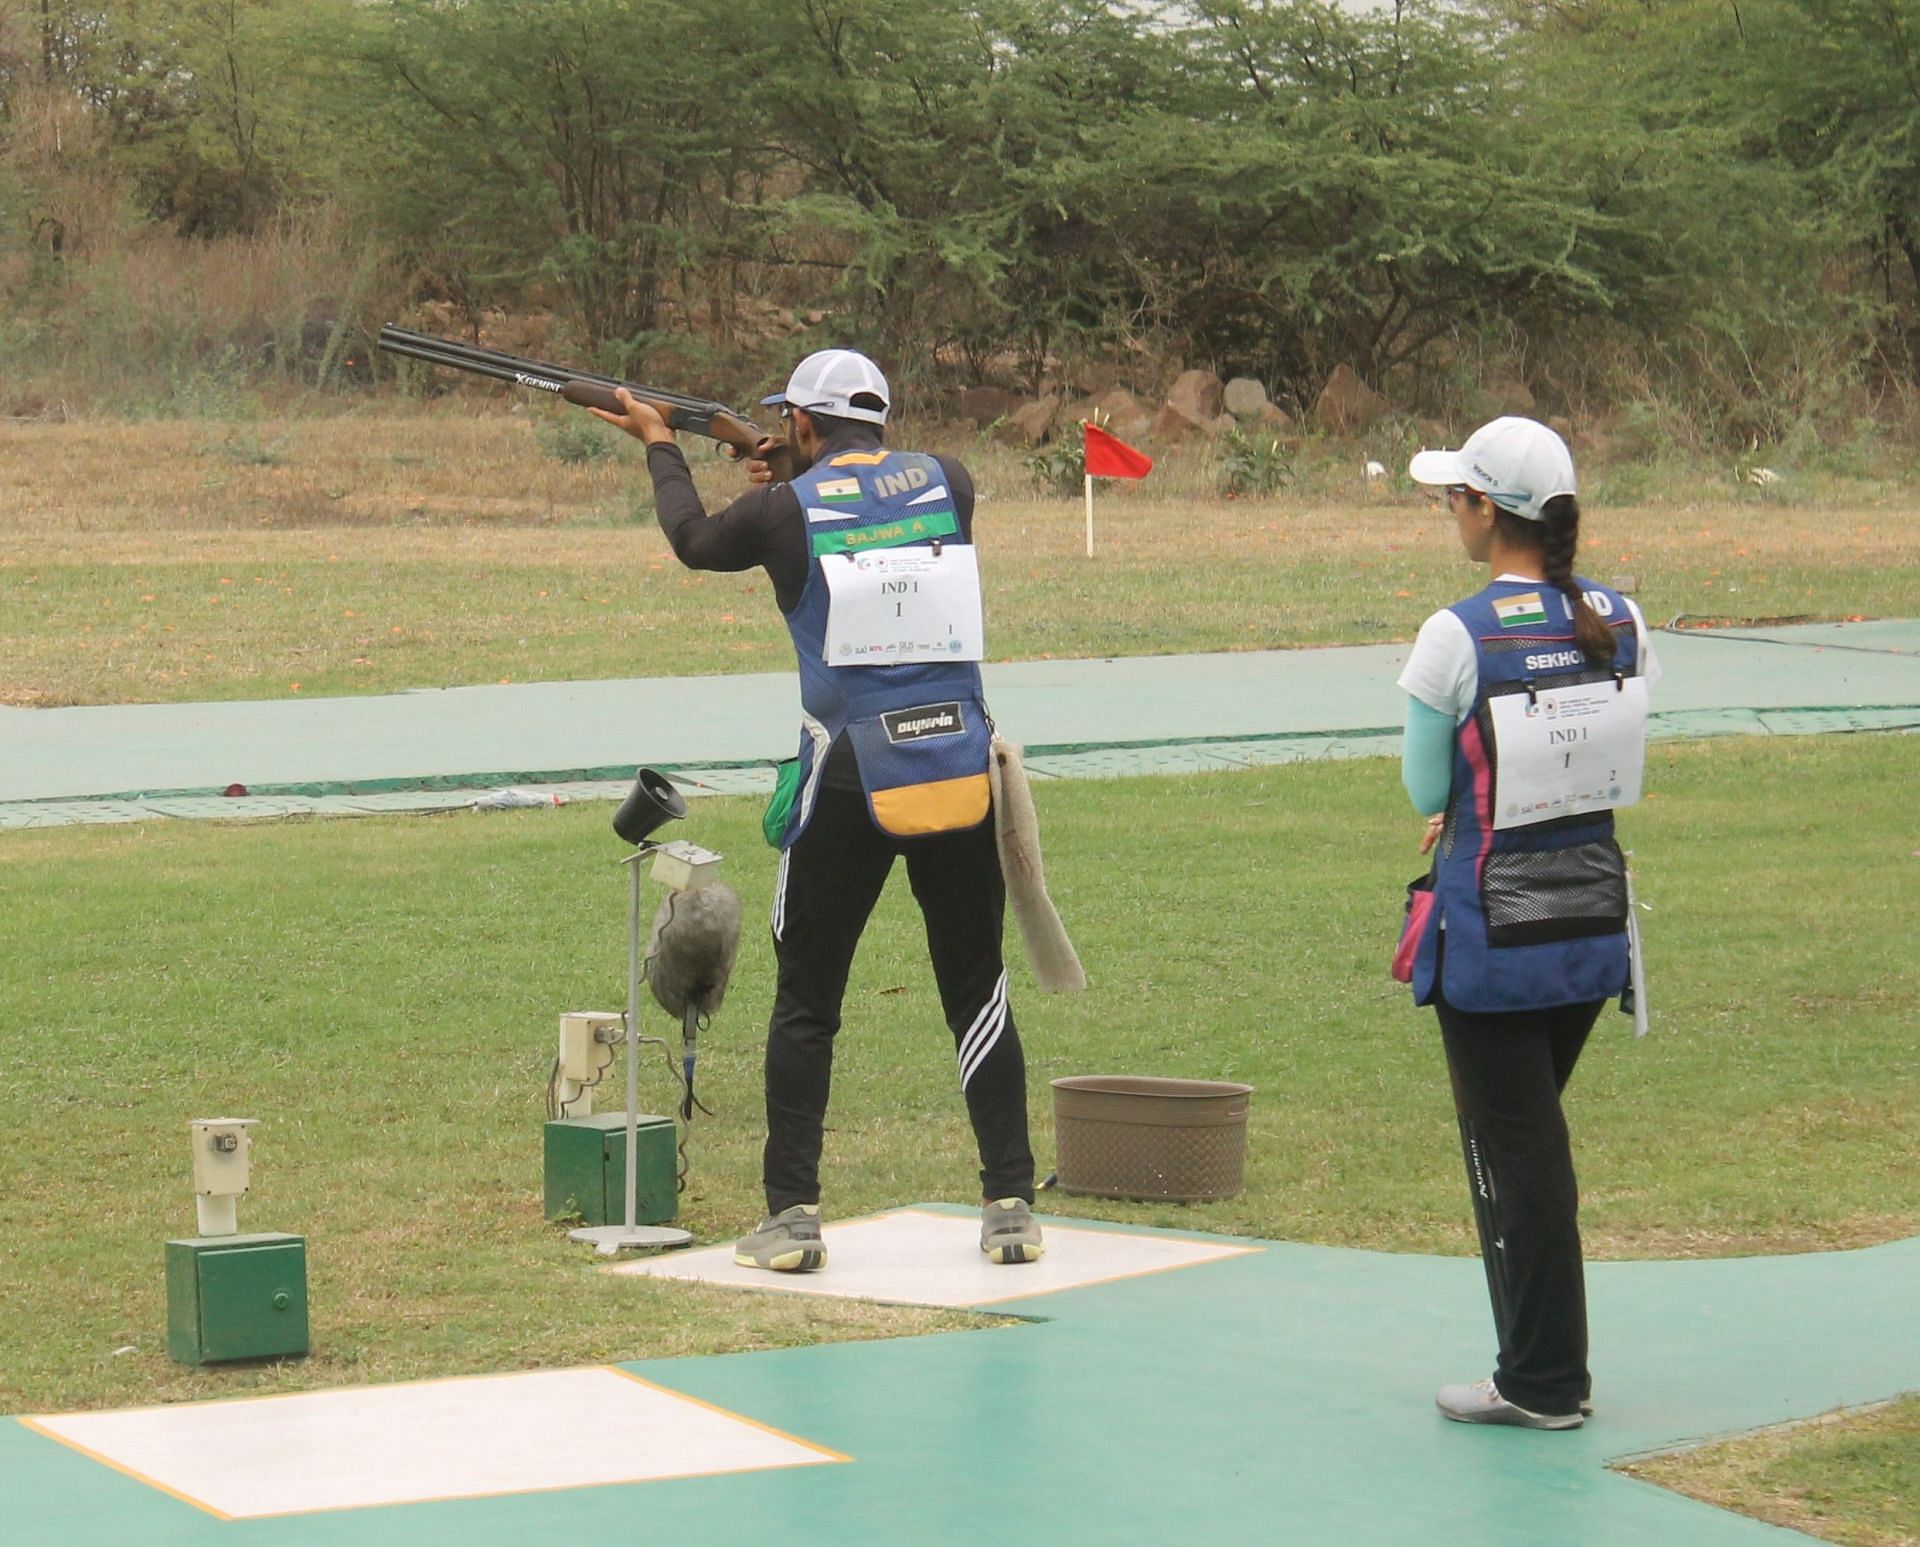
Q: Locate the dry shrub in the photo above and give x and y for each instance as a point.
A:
(115, 313)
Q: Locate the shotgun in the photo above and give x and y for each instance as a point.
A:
(739, 435)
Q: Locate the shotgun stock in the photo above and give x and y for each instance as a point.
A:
(739, 435)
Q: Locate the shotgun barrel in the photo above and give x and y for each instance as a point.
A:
(696, 416)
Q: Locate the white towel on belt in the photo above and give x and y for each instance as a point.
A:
(1016, 829)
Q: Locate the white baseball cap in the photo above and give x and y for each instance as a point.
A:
(1519, 464)
(830, 381)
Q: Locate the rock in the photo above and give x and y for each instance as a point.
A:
(1518, 397)
(1080, 408)
(1032, 424)
(1497, 399)
(1274, 418)
(1171, 424)
(1346, 404)
(1197, 395)
(1243, 397)
(986, 405)
(1095, 378)
(1121, 412)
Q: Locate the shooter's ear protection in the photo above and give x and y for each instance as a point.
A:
(652, 801)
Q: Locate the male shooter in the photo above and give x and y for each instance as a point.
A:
(870, 552)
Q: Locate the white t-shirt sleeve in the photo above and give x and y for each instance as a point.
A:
(1649, 662)
(1443, 669)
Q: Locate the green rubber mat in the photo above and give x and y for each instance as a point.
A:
(1284, 1395)
(1100, 718)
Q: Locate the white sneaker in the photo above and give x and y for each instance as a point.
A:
(1008, 1232)
(1482, 1403)
(788, 1242)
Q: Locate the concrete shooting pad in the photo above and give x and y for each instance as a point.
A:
(918, 1257)
(1276, 1394)
(446, 1439)
(437, 748)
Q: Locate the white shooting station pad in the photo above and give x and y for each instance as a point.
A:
(444, 1439)
(916, 1257)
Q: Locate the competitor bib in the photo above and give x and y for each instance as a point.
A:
(893, 606)
(1566, 751)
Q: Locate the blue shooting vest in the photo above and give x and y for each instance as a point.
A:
(1535, 916)
(920, 730)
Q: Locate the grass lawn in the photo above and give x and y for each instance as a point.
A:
(1853, 1479)
(183, 561)
(382, 994)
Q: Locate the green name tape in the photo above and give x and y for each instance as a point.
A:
(888, 534)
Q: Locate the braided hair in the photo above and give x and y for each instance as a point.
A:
(1556, 535)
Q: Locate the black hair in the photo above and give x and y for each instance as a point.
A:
(826, 426)
(1556, 538)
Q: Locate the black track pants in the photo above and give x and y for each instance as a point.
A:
(829, 882)
(1508, 1071)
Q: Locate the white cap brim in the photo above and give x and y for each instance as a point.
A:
(1438, 467)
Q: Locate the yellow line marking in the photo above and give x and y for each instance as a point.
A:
(858, 459)
(125, 1471)
(518, 1493)
(755, 1423)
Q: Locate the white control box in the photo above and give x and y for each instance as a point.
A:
(585, 1037)
(222, 1163)
(685, 867)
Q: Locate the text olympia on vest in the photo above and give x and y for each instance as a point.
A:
(1524, 917)
(889, 643)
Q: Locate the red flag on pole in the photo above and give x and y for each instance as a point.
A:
(1108, 456)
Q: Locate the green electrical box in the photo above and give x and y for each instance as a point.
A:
(586, 1169)
(236, 1297)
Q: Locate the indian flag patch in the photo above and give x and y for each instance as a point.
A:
(839, 491)
(1520, 611)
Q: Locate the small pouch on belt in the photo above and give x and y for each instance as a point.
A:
(1419, 912)
(786, 790)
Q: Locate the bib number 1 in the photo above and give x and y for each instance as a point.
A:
(894, 605)
(1567, 751)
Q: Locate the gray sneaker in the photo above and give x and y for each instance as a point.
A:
(1008, 1233)
(789, 1242)
(1482, 1403)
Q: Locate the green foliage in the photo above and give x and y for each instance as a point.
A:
(1253, 464)
(1706, 206)
(1061, 464)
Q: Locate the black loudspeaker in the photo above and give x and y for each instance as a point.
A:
(651, 801)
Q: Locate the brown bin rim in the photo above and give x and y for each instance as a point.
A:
(1164, 1087)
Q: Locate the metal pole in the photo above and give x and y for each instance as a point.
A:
(633, 1044)
(1636, 961)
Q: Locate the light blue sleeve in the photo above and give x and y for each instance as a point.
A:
(1426, 757)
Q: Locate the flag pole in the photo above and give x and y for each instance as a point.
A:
(1089, 515)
